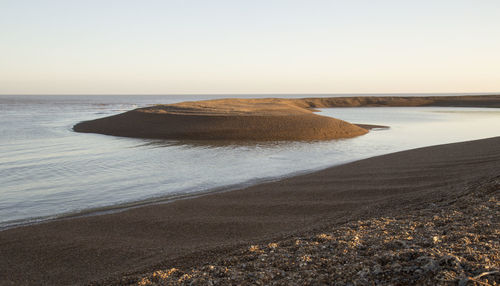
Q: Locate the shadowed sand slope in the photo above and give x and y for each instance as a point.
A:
(189, 232)
(257, 119)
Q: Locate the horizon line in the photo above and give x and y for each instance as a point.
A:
(236, 93)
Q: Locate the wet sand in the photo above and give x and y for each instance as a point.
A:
(188, 232)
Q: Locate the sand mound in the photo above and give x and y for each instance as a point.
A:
(227, 119)
(259, 119)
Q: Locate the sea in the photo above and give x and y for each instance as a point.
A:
(48, 171)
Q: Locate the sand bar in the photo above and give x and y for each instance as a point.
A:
(258, 119)
(187, 232)
(225, 119)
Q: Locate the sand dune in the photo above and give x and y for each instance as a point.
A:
(257, 119)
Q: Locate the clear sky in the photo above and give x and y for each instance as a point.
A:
(248, 46)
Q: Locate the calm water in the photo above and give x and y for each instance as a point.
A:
(47, 170)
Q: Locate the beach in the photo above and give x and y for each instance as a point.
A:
(191, 232)
(249, 143)
(450, 241)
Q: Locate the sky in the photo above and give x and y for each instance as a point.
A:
(249, 46)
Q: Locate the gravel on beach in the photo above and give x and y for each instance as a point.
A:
(454, 241)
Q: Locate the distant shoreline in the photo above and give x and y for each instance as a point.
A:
(267, 95)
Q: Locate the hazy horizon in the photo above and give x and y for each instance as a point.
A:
(153, 47)
(259, 94)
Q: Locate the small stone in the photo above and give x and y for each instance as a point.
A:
(432, 266)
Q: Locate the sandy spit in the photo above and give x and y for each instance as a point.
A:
(257, 119)
(225, 119)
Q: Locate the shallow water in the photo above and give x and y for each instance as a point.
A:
(47, 170)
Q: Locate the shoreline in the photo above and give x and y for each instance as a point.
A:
(112, 209)
(146, 237)
(165, 199)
